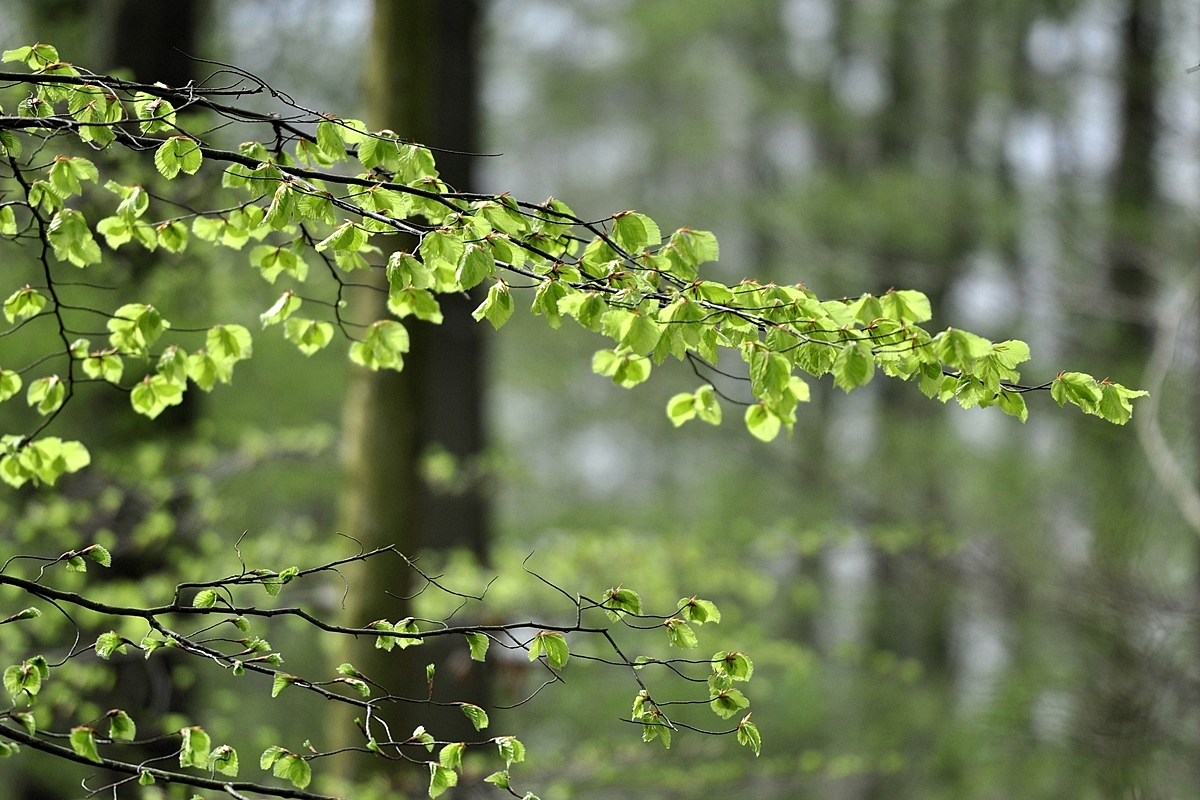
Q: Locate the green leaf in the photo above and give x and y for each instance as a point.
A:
(737, 666)
(476, 264)
(706, 405)
(10, 384)
(618, 601)
(195, 747)
(1078, 389)
(499, 779)
(654, 726)
(155, 113)
(511, 749)
(47, 394)
(270, 756)
(440, 778)
(135, 328)
(224, 760)
(477, 715)
(121, 727)
(35, 56)
(145, 778)
(152, 396)
(906, 306)
(635, 232)
(281, 682)
(23, 303)
(287, 304)
(681, 408)
(553, 644)
(450, 756)
(178, 153)
(1114, 402)
(109, 643)
(83, 742)
(680, 634)
(308, 335)
(205, 370)
(960, 349)
(762, 422)
(728, 702)
(71, 238)
(853, 367)
(275, 260)
(699, 611)
(25, 678)
(173, 365)
(205, 598)
(478, 644)
(385, 342)
(413, 301)
(8, 220)
(1013, 403)
(107, 366)
(293, 768)
(497, 307)
(229, 343)
(687, 250)
(347, 237)
(421, 737)
(748, 735)
(173, 236)
(26, 720)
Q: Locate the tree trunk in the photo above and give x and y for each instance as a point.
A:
(422, 85)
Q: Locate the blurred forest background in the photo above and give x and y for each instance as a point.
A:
(940, 603)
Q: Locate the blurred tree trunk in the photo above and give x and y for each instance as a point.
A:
(1134, 192)
(422, 85)
(1119, 721)
(154, 39)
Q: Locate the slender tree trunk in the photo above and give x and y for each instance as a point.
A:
(422, 85)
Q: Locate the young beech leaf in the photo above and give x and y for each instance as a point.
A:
(511, 749)
(281, 682)
(205, 598)
(23, 303)
(25, 719)
(451, 755)
(293, 768)
(699, 611)
(109, 643)
(748, 735)
(728, 702)
(478, 644)
(619, 601)
(553, 644)
(762, 422)
(440, 778)
(224, 760)
(270, 756)
(681, 408)
(47, 394)
(83, 742)
(498, 779)
(497, 307)
(308, 335)
(121, 727)
(477, 715)
(10, 384)
(680, 634)
(287, 304)
(178, 153)
(737, 666)
(194, 749)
